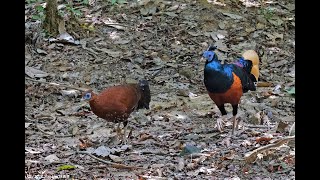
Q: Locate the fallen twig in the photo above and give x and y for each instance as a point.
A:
(115, 165)
(153, 177)
(251, 156)
(196, 155)
(117, 24)
(154, 74)
(28, 119)
(258, 126)
(56, 84)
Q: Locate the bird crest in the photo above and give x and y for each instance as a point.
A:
(212, 48)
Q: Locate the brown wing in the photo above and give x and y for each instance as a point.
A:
(120, 100)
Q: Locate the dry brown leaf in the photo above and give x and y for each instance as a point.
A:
(264, 84)
(144, 137)
(281, 126)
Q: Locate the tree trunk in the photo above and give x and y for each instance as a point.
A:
(52, 19)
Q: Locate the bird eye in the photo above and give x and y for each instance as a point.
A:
(87, 96)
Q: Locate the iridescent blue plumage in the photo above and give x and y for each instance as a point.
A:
(218, 77)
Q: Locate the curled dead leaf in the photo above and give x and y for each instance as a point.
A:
(32, 72)
(191, 166)
(263, 140)
(70, 93)
(281, 126)
(115, 158)
(255, 119)
(52, 158)
(180, 164)
(144, 137)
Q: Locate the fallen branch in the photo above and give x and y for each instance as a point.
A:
(251, 156)
(115, 165)
(56, 84)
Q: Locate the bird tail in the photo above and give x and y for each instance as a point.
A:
(145, 94)
(254, 58)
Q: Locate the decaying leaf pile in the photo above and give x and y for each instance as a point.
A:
(163, 42)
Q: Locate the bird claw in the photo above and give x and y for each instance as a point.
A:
(124, 138)
(119, 133)
(220, 124)
(235, 126)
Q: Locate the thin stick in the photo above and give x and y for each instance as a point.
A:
(258, 126)
(251, 156)
(115, 165)
(153, 177)
(117, 24)
(56, 84)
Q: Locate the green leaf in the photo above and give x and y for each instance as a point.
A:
(189, 149)
(31, 1)
(36, 17)
(66, 167)
(86, 2)
(39, 8)
(77, 12)
(284, 165)
(291, 91)
(113, 2)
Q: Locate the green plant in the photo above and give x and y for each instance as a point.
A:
(76, 12)
(268, 13)
(40, 13)
(117, 1)
(85, 2)
(32, 1)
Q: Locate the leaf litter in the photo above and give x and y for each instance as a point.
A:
(163, 41)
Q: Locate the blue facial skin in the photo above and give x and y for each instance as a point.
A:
(87, 96)
(209, 55)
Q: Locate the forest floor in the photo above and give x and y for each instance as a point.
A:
(161, 41)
